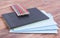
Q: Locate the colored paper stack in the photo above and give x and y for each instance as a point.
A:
(30, 20)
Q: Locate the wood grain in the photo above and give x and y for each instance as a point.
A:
(50, 6)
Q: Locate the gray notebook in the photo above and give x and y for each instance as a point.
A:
(14, 21)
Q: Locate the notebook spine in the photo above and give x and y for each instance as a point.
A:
(20, 11)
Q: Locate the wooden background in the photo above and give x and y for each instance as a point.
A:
(50, 6)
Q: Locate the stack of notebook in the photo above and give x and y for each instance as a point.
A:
(37, 21)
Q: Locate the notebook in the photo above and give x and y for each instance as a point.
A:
(14, 21)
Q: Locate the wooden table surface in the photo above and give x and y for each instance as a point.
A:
(50, 6)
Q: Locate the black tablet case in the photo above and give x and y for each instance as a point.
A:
(14, 21)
